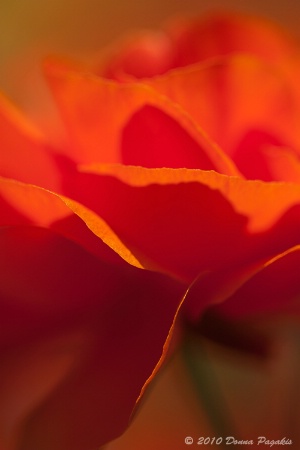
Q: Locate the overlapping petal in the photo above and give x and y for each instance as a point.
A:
(184, 221)
(245, 105)
(110, 122)
(74, 326)
(272, 289)
(23, 204)
(226, 33)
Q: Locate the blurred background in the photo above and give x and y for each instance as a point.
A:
(31, 28)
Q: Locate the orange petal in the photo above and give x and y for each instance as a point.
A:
(236, 98)
(290, 67)
(74, 331)
(248, 197)
(24, 154)
(184, 222)
(111, 122)
(23, 204)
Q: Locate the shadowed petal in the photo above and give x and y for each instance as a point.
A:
(23, 204)
(74, 331)
(185, 221)
(273, 289)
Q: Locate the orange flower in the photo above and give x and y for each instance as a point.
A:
(179, 181)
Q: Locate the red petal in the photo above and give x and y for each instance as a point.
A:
(151, 138)
(186, 221)
(272, 289)
(223, 34)
(259, 157)
(74, 331)
(23, 204)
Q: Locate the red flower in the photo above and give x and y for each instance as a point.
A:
(180, 180)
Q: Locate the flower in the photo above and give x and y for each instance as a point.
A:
(176, 193)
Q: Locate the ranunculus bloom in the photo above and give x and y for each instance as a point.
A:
(179, 181)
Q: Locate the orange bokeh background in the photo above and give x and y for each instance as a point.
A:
(30, 29)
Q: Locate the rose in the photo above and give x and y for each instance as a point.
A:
(155, 198)
(240, 107)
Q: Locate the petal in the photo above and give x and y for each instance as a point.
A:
(23, 204)
(102, 118)
(153, 48)
(274, 289)
(242, 103)
(244, 291)
(226, 33)
(268, 162)
(171, 409)
(285, 165)
(24, 154)
(290, 67)
(248, 197)
(172, 228)
(186, 41)
(74, 331)
(171, 219)
(151, 138)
